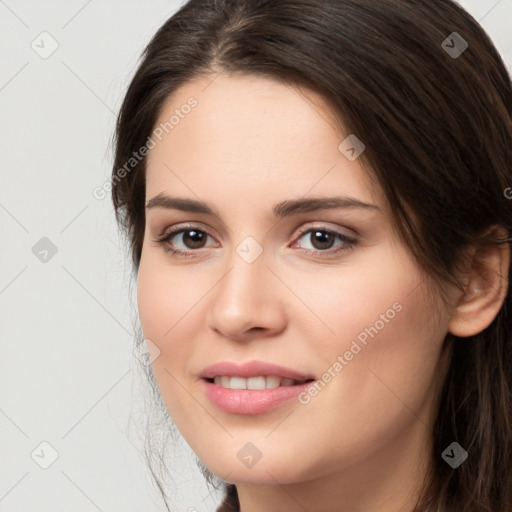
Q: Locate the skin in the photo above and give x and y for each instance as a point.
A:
(364, 442)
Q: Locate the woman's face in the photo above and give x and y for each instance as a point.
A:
(324, 292)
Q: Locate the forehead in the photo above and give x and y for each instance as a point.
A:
(247, 134)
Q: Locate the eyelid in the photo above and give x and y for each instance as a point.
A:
(321, 226)
(351, 240)
(181, 227)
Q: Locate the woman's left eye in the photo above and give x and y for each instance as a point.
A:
(321, 239)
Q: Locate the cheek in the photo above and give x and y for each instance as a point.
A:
(385, 384)
(165, 299)
(384, 357)
(390, 360)
(153, 300)
(163, 304)
(169, 305)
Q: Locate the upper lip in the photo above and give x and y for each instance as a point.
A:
(251, 369)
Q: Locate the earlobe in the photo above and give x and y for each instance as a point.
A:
(486, 289)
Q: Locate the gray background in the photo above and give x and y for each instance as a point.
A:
(68, 376)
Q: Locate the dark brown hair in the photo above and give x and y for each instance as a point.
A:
(438, 134)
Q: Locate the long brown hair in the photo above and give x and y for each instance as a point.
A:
(437, 127)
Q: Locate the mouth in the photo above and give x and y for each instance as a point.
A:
(253, 387)
(255, 383)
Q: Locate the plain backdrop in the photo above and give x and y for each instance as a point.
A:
(68, 378)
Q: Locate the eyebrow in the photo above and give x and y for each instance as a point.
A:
(280, 210)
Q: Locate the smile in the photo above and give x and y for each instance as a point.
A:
(253, 387)
(254, 383)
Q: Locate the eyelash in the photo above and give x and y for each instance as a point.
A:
(165, 239)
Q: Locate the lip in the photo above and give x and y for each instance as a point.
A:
(251, 401)
(252, 369)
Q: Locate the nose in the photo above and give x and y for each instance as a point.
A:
(247, 302)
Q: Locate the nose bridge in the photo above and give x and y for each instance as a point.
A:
(245, 296)
(246, 273)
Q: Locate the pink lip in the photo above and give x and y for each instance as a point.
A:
(251, 401)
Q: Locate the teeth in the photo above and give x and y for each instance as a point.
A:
(273, 381)
(256, 383)
(238, 383)
(262, 382)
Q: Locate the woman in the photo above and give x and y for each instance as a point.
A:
(316, 194)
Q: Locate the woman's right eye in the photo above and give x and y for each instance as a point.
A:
(190, 235)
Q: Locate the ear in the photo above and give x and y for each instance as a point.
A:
(486, 288)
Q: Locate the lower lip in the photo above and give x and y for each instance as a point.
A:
(251, 401)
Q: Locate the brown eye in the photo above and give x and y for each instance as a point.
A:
(322, 240)
(192, 239)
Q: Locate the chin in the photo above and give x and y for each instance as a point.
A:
(267, 470)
